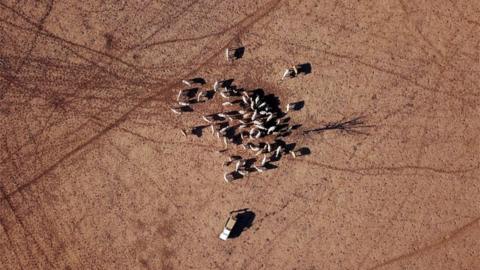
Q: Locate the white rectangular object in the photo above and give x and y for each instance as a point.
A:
(224, 235)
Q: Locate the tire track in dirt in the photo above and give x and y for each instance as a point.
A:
(423, 140)
(24, 60)
(13, 247)
(363, 62)
(445, 240)
(59, 39)
(310, 211)
(18, 219)
(27, 232)
(168, 22)
(8, 200)
(238, 25)
(389, 170)
(33, 44)
(375, 171)
(243, 25)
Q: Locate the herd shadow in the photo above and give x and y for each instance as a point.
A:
(235, 135)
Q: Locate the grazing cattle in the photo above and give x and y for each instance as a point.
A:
(271, 129)
(260, 127)
(286, 74)
(180, 93)
(228, 177)
(290, 72)
(277, 152)
(206, 119)
(176, 111)
(199, 96)
(223, 130)
(264, 160)
(254, 148)
(247, 116)
(237, 165)
(225, 141)
(223, 94)
(270, 117)
(259, 169)
(242, 172)
(188, 83)
(256, 115)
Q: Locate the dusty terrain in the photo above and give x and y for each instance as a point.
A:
(94, 173)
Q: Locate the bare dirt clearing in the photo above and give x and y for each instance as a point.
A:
(88, 146)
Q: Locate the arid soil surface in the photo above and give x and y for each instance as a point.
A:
(95, 174)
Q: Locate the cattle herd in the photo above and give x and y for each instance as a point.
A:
(250, 121)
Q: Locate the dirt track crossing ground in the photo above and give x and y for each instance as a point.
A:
(94, 173)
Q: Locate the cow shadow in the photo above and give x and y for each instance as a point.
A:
(304, 151)
(199, 80)
(239, 52)
(297, 106)
(304, 69)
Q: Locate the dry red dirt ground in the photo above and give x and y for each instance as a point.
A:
(94, 173)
